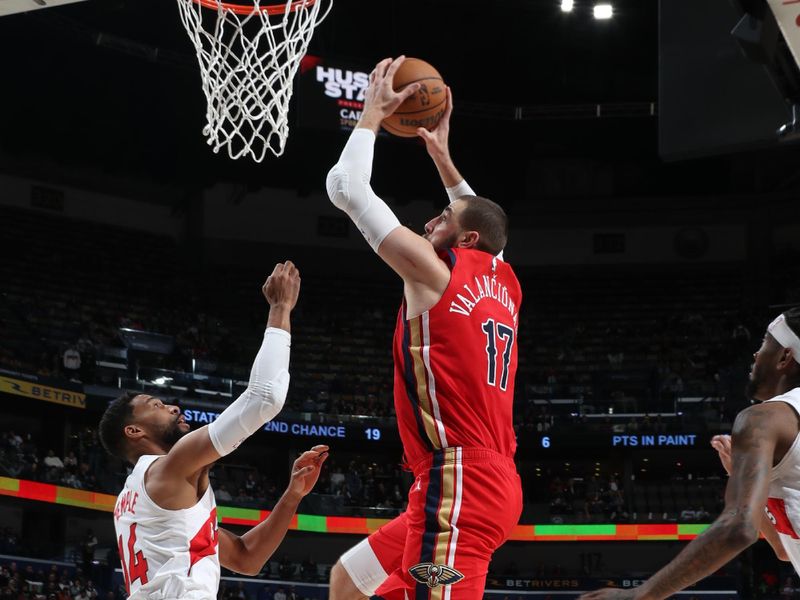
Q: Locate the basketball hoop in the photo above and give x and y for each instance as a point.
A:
(248, 56)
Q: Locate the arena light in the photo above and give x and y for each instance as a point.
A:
(567, 5)
(603, 11)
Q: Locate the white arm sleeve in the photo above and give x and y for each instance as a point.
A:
(263, 398)
(349, 189)
(460, 189)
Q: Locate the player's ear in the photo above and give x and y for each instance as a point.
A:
(469, 239)
(786, 361)
(133, 432)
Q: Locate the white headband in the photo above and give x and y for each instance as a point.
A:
(784, 335)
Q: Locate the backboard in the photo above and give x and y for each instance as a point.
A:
(10, 7)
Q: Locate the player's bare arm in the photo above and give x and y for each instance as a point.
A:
(179, 478)
(755, 435)
(248, 553)
(410, 255)
(722, 444)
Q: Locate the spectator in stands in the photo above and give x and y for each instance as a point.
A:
(308, 569)
(87, 550)
(251, 483)
(240, 593)
(280, 594)
(14, 441)
(71, 480)
(337, 478)
(286, 569)
(52, 461)
(222, 494)
(87, 476)
(71, 462)
(71, 360)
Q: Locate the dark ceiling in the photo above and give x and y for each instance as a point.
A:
(114, 83)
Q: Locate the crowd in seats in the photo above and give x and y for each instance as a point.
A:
(614, 339)
(687, 501)
(357, 483)
(81, 466)
(587, 500)
(368, 486)
(581, 497)
(601, 339)
(607, 337)
(347, 484)
(52, 583)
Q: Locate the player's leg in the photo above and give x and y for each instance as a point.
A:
(342, 586)
(465, 510)
(363, 568)
(491, 503)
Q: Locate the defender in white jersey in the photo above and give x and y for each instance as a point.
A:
(165, 517)
(762, 457)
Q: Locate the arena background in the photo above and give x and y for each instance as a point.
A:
(654, 226)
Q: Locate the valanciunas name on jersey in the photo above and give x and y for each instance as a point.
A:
(489, 288)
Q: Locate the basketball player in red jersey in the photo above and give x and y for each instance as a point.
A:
(762, 458)
(455, 356)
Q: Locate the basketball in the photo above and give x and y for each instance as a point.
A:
(425, 107)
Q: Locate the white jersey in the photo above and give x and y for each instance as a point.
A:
(166, 554)
(783, 504)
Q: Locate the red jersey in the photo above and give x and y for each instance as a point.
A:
(455, 364)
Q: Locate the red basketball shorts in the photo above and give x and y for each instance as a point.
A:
(462, 506)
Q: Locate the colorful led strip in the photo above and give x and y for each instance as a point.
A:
(229, 515)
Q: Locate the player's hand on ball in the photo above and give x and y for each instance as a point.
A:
(722, 444)
(380, 99)
(436, 141)
(306, 470)
(609, 594)
(283, 286)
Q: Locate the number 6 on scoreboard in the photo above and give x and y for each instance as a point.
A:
(497, 331)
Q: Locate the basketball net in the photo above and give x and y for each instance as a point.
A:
(248, 57)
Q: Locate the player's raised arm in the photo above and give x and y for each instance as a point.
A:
(755, 434)
(722, 444)
(348, 185)
(259, 403)
(248, 553)
(437, 144)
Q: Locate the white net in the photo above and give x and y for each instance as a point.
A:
(248, 62)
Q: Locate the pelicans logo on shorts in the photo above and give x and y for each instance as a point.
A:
(435, 575)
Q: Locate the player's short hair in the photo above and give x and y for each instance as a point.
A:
(117, 416)
(488, 219)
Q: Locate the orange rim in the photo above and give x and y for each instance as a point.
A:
(242, 9)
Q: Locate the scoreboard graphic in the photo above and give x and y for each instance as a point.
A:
(330, 93)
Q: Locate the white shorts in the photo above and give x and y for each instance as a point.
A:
(364, 568)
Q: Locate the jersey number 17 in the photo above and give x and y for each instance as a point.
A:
(497, 333)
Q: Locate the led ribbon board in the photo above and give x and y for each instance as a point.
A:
(229, 515)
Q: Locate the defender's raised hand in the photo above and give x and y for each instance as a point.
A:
(306, 470)
(436, 141)
(283, 286)
(722, 444)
